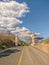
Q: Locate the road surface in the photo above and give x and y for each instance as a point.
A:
(10, 56)
(27, 55)
(33, 56)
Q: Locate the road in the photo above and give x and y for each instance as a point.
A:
(33, 56)
(27, 55)
(10, 56)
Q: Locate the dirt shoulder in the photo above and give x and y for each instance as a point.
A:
(43, 47)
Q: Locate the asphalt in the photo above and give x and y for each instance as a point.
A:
(10, 56)
(34, 56)
(26, 55)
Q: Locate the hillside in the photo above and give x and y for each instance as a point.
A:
(7, 38)
(5, 32)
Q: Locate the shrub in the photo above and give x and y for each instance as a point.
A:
(46, 41)
(3, 47)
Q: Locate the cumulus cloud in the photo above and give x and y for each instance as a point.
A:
(23, 29)
(10, 12)
(9, 22)
(13, 9)
(37, 33)
(11, 29)
(20, 30)
(13, 25)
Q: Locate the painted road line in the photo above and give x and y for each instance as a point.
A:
(19, 62)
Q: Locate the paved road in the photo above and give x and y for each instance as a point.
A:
(33, 56)
(28, 56)
(10, 56)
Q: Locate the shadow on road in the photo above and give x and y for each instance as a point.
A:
(8, 52)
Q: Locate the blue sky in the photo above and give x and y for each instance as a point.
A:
(37, 20)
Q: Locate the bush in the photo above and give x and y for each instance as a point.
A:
(3, 47)
(8, 41)
(46, 41)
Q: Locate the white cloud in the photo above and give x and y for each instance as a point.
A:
(21, 30)
(24, 28)
(10, 12)
(11, 29)
(37, 33)
(9, 22)
(13, 25)
(13, 9)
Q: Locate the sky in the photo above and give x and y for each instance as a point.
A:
(25, 16)
(37, 20)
